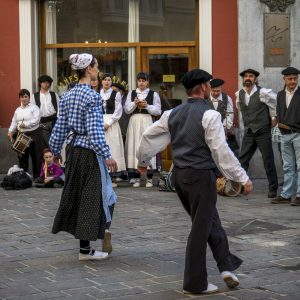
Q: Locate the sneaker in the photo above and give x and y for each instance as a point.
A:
(114, 184)
(280, 199)
(106, 243)
(93, 255)
(149, 183)
(119, 179)
(137, 183)
(57, 185)
(211, 288)
(230, 279)
(132, 181)
(296, 201)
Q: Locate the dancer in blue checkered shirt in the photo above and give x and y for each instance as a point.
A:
(87, 196)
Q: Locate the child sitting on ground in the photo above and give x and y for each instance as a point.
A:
(51, 174)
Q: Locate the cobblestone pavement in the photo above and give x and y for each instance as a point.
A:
(149, 236)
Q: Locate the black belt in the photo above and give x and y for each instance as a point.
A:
(48, 119)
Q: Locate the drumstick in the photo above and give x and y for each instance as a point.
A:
(45, 170)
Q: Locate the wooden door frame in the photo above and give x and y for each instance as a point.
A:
(142, 63)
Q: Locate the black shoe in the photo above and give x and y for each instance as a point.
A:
(295, 202)
(39, 185)
(280, 199)
(272, 195)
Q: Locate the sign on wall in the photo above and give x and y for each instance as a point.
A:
(276, 40)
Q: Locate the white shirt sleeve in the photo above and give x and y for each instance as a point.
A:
(268, 97)
(57, 102)
(228, 121)
(215, 138)
(129, 105)
(118, 110)
(14, 124)
(155, 109)
(155, 139)
(32, 99)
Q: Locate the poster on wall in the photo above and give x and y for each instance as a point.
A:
(276, 40)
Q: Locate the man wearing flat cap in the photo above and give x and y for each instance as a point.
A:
(198, 143)
(257, 109)
(288, 117)
(48, 102)
(222, 103)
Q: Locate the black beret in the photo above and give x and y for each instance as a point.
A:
(119, 86)
(195, 77)
(216, 82)
(290, 71)
(45, 78)
(249, 71)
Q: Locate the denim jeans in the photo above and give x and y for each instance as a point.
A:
(290, 148)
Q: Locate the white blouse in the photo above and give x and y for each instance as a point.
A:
(29, 115)
(105, 95)
(154, 110)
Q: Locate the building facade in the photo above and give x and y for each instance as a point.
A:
(163, 37)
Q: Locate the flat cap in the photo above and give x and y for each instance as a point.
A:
(45, 78)
(195, 77)
(216, 82)
(290, 71)
(256, 73)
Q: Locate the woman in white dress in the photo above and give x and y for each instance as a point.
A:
(142, 104)
(112, 112)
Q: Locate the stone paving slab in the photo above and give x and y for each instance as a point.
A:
(149, 230)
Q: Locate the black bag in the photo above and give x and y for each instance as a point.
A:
(16, 181)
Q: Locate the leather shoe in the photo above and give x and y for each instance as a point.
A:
(295, 202)
(280, 199)
(272, 195)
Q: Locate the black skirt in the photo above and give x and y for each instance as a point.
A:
(81, 210)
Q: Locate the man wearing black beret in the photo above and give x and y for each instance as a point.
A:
(48, 102)
(257, 109)
(222, 103)
(198, 145)
(288, 117)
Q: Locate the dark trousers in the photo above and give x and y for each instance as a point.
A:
(197, 192)
(35, 151)
(263, 141)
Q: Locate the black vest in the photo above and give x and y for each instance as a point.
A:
(256, 114)
(222, 106)
(54, 103)
(110, 103)
(149, 100)
(289, 116)
(189, 148)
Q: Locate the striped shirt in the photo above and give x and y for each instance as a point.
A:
(80, 111)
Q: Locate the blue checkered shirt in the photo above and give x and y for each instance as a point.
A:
(80, 111)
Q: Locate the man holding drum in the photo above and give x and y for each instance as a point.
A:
(198, 144)
(26, 120)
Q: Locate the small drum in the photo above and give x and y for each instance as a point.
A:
(226, 187)
(21, 143)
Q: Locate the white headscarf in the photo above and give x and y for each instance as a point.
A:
(80, 61)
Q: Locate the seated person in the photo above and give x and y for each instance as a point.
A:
(51, 174)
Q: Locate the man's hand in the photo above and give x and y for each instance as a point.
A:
(10, 135)
(273, 122)
(106, 126)
(111, 165)
(22, 125)
(248, 187)
(142, 170)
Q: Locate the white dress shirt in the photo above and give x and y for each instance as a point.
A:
(289, 95)
(46, 107)
(105, 95)
(157, 137)
(266, 96)
(228, 120)
(154, 110)
(29, 115)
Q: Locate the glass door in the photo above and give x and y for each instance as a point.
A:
(166, 67)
